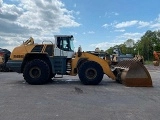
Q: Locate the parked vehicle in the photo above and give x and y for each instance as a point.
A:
(39, 63)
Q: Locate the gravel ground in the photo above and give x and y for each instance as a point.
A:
(68, 99)
(152, 67)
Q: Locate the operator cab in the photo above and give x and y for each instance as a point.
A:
(64, 46)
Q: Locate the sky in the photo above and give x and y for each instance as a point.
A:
(93, 23)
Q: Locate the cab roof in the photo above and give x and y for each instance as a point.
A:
(63, 36)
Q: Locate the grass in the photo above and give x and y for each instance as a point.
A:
(148, 62)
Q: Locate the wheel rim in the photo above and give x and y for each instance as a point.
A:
(91, 73)
(35, 72)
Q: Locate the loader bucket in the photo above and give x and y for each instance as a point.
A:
(134, 74)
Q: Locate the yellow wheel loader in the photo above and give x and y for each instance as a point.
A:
(39, 63)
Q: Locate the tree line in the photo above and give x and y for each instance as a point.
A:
(148, 43)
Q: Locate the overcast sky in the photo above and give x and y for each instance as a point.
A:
(93, 23)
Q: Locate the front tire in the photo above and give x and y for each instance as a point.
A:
(90, 73)
(118, 73)
(36, 72)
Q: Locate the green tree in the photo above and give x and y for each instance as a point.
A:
(110, 50)
(145, 46)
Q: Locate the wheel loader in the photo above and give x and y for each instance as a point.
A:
(117, 56)
(4, 56)
(39, 63)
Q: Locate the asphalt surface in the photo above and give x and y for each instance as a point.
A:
(68, 99)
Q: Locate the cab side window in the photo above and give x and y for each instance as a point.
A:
(63, 44)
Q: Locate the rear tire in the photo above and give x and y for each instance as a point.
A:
(36, 72)
(90, 73)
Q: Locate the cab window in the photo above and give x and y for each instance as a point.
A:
(63, 43)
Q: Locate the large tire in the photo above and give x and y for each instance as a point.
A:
(117, 72)
(90, 73)
(36, 72)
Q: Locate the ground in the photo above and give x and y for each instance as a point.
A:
(68, 99)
